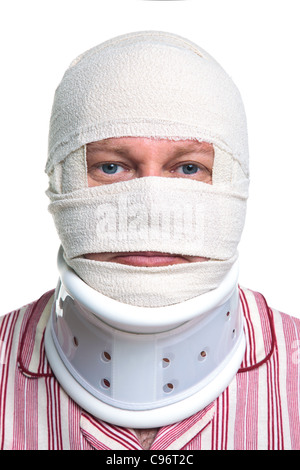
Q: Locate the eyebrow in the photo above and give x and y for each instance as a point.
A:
(185, 151)
(107, 146)
(122, 149)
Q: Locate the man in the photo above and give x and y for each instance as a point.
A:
(148, 340)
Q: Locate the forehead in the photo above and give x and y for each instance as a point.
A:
(135, 143)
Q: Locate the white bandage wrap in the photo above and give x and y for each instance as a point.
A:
(150, 84)
(152, 287)
(150, 214)
(155, 85)
(172, 215)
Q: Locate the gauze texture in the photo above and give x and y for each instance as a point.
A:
(161, 86)
(150, 84)
(151, 287)
(172, 215)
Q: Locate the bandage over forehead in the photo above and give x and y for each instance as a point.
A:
(149, 84)
(162, 86)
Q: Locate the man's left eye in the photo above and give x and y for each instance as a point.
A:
(189, 169)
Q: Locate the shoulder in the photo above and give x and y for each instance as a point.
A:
(26, 310)
(258, 300)
(284, 328)
(21, 323)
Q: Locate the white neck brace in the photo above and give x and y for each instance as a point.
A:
(143, 367)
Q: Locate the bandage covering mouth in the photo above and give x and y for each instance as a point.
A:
(172, 215)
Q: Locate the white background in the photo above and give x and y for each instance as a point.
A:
(256, 41)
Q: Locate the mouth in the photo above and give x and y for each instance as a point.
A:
(148, 259)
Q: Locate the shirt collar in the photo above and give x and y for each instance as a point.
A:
(32, 360)
(104, 436)
(259, 330)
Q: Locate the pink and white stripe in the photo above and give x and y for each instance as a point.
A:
(259, 410)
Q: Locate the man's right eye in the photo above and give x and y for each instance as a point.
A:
(110, 168)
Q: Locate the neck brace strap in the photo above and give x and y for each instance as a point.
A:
(143, 367)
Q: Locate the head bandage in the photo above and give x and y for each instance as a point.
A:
(160, 86)
(153, 85)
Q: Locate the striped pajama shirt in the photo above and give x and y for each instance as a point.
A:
(260, 409)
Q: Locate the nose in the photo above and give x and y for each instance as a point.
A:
(150, 169)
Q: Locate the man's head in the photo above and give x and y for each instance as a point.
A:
(148, 153)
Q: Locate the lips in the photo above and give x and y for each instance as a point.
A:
(148, 259)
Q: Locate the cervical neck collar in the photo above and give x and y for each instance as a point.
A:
(143, 367)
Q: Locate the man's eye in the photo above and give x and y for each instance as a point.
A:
(110, 168)
(188, 169)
